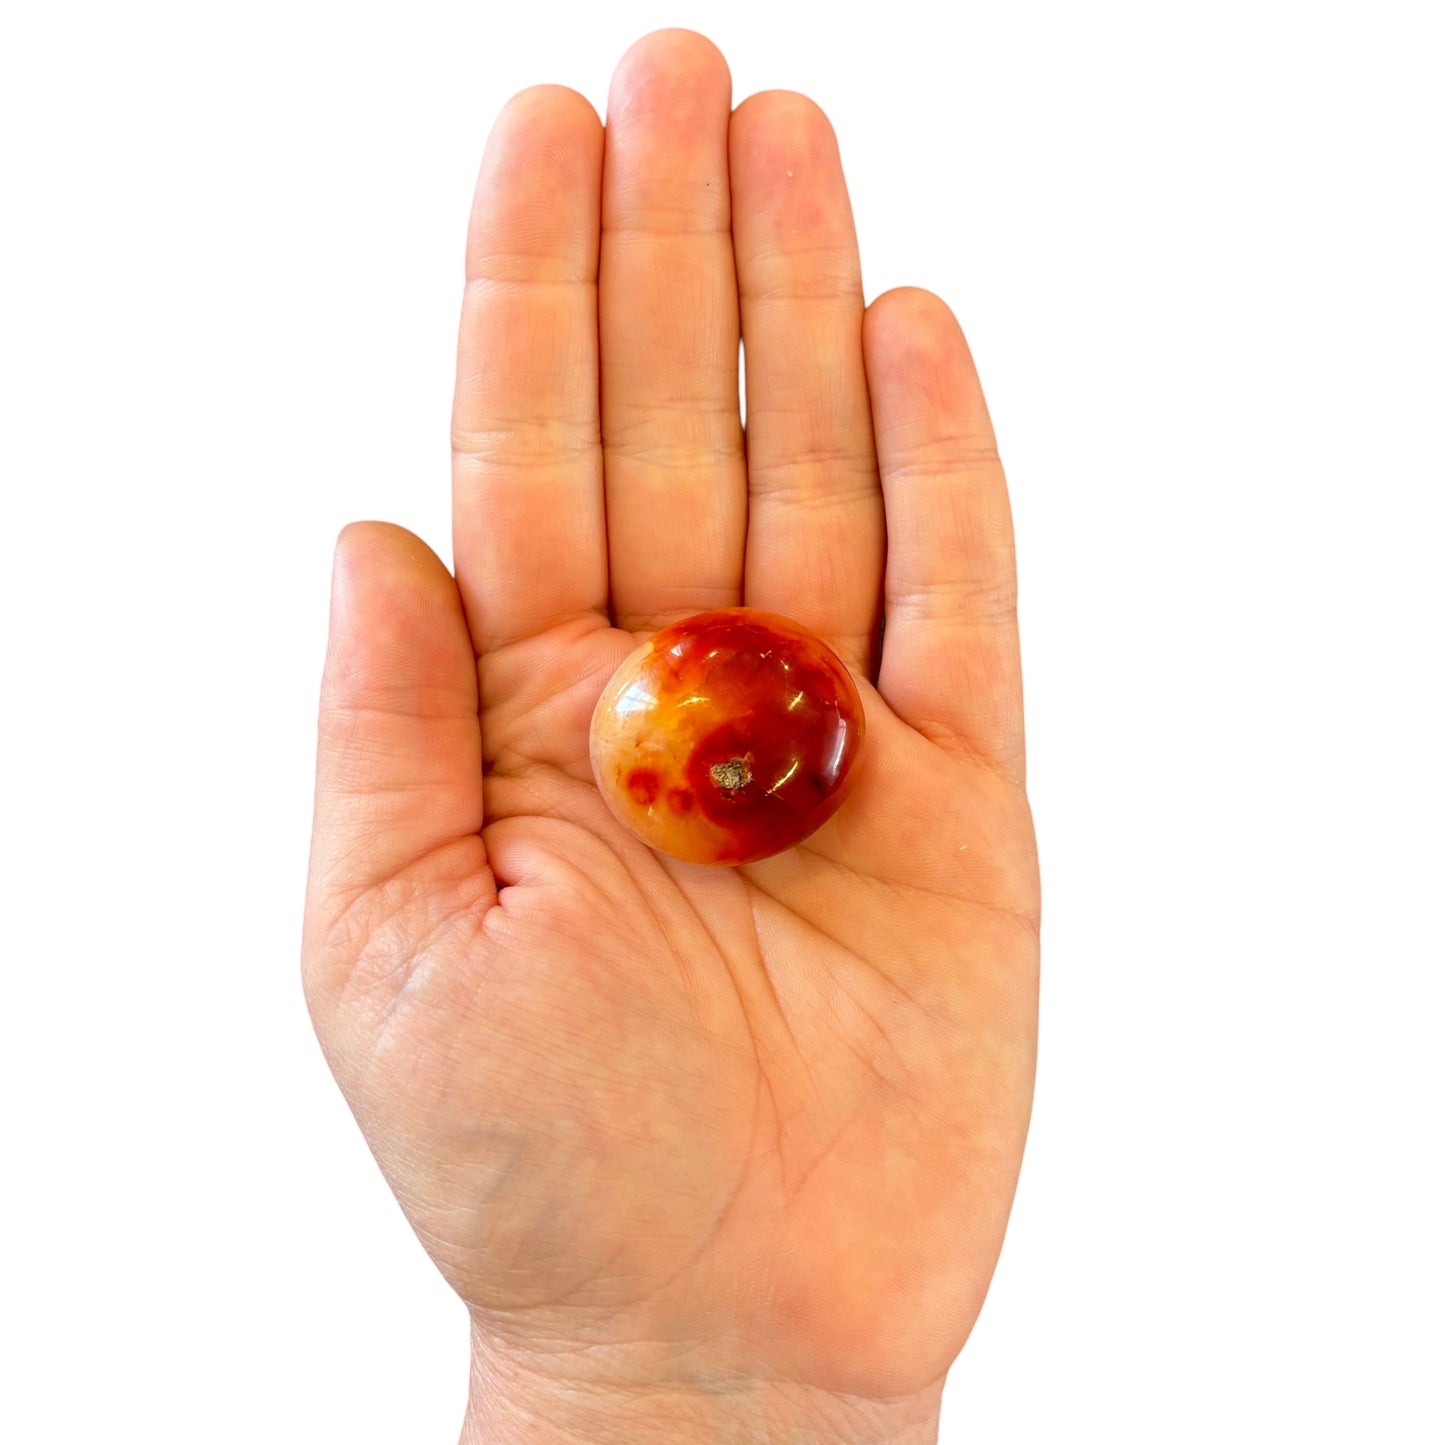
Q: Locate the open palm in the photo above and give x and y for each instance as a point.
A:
(652, 1119)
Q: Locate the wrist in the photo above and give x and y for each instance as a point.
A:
(591, 1397)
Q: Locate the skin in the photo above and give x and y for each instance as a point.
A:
(710, 1154)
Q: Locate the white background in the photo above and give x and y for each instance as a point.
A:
(1197, 250)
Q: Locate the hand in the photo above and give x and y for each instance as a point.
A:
(703, 1150)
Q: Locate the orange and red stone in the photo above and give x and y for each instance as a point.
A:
(727, 737)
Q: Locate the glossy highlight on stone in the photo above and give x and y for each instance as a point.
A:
(728, 737)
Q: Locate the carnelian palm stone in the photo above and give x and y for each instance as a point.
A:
(728, 737)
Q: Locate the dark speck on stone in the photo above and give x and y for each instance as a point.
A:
(732, 775)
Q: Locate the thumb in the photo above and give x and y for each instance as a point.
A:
(399, 749)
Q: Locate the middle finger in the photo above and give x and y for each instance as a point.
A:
(668, 323)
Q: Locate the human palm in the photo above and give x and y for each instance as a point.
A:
(656, 1121)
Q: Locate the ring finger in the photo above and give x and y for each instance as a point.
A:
(815, 529)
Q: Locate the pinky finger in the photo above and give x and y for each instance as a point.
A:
(950, 663)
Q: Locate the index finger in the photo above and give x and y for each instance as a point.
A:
(528, 527)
